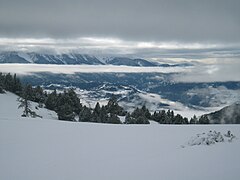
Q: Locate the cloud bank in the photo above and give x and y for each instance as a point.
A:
(71, 69)
(140, 20)
(198, 73)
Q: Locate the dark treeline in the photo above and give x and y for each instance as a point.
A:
(68, 107)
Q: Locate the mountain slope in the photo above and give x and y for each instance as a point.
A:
(38, 58)
(227, 115)
(35, 148)
(130, 62)
(12, 57)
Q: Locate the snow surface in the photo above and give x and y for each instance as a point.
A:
(34, 148)
(9, 108)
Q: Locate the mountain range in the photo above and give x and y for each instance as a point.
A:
(76, 59)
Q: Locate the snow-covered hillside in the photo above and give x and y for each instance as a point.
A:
(9, 108)
(34, 148)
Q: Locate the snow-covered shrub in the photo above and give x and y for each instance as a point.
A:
(212, 137)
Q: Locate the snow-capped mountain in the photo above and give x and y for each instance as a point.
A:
(130, 62)
(38, 58)
(69, 58)
(78, 59)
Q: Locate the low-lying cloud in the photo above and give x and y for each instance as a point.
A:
(25, 69)
(216, 72)
(198, 73)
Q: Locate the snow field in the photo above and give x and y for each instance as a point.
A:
(47, 149)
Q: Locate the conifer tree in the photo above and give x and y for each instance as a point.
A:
(96, 114)
(85, 114)
(142, 120)
(113, 107)
(25, 104)
(129, 119)
(193, 120)
(17, 86)
(203, 120)
(51, 101)
(1, 88)
(114, 119)
(103, 115)
(65, 112)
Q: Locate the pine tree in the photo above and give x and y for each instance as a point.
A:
(25, 104)
(103, 115)
(1, 83)
(163, 117)
(142, 120)
(193, 120)
(114, 119)
(1, 89)
(128, 119)
(75, 101)
(51, 101)
(113, 107)
(17, 86)
(136, 113)
(185, 120)
(8, 82)
(39, 95)
(85, 115)
(203, 120)
(96, 114)
(178, 119)
(169, 118)
(65, 112)
(146, 112)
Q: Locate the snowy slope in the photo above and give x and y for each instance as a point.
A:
(47, 149)
(9, 108)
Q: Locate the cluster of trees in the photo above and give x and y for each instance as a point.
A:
(138, 116)
(10, 83)
(168, 117)
(202, 120)
(67, 106)
(104, 114)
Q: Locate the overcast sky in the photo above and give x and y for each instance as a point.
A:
(170, 28)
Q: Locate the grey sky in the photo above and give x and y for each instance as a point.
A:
(137, 20)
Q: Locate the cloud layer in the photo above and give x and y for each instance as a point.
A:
(71, 69)
(198, 73)
(140, 20)
(178, 30)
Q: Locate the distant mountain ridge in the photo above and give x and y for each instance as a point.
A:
(75, 59)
